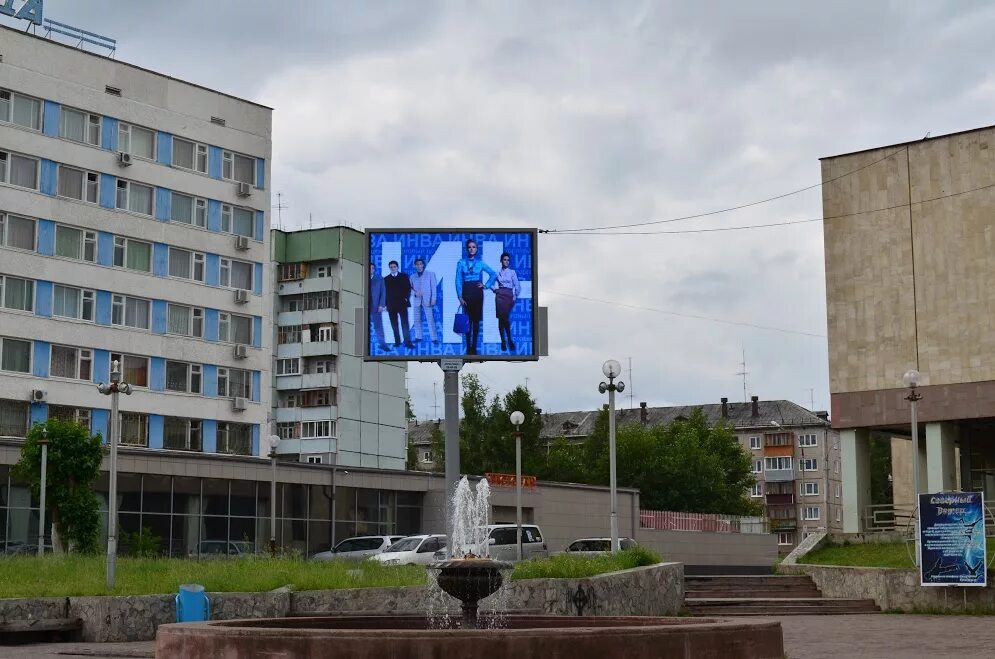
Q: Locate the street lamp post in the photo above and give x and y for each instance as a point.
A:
(911, 380)
(113, 389)
(274, 441)
(517, 418)
(612, 369)
(41, 493)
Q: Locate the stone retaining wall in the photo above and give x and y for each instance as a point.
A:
(652, 590)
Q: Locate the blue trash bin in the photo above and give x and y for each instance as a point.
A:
(192, 604)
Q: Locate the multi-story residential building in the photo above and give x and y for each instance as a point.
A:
(329, 406)
(133, 228)
(794, 452)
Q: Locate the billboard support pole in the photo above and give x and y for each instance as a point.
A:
(450, 388)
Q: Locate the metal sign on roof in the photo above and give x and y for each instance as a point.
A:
(28, 10)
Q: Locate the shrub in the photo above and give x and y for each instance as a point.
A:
(565, 566)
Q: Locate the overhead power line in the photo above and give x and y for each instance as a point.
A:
(730, 208)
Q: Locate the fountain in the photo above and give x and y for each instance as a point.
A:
(470, 575)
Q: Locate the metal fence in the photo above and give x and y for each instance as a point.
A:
(666, 520)
(900, 518)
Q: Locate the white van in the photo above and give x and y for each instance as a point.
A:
(501, 543)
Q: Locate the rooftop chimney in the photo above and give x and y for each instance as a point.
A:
(725, 407)
(644, 416)
(755, 406)
(823, 414)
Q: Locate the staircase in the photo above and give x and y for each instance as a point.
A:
(767, 595)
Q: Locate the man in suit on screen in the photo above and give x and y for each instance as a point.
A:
(398, 287)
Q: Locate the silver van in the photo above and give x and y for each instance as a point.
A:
(502, 546)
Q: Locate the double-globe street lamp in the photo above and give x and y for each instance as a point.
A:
(911, 380)
(612, 369)
(113, 389)
(41, 494)
(517, 419)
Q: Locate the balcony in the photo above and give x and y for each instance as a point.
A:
(779, 451)
(320, 348)
(780, 499)
(783, 525)
(292, 414)
(319, 380)
(779, 475)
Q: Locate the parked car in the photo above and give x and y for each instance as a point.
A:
(358, 548)
(595, 546)
(501, 543)
(221, 548)
(413, 550)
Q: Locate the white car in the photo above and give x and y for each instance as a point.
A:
(358, 548)
(501, 544)
(413, 550)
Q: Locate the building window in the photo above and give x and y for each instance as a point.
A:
(426, 456)
(784, 538)
(811, 489)
(185, 321)
(134, 370)
(132, 254)
(236, 167)
(182, 434)
(288, 430)
(758, 466)
(80, 126)
(809, 464)
(76, 303)
(805, 441)
(189, 155)
(234, 438)
(19, 109)
(234, 383)
(78, 184)
(292, 271)
(17, 232)
(236, 220)
(314, 459)
(134, 428)
(139, 142)
(77, 244)
(326, 333)
(839, 515)
(317, 429)
(233, 328)
(130, 312)
(73, 363)
(290, 400)
(14, 418)
(754, 443)
(775, 464)
(134, 197)
(183, 377)
(323, 366)
(839, 490)
(323, 271)
(188, 210)
(291, 334)
(17, 294)
(836, 466)
(80, 415)
(321, 300)
(292, 303)
(18, 170)
(757, 491)
(185, 264)
(810, 513)
(236, 274)
(15, 355)
(288, 366)
(316, 398)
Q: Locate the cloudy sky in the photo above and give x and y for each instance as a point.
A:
(562, 115)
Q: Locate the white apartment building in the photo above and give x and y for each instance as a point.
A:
(134, 226)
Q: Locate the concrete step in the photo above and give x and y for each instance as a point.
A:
(799, 593)
(749, 581)
(778, 606)
(56, 630)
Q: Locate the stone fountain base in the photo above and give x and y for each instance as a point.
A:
(407, 637)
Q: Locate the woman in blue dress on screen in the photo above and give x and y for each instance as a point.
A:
(470, 283)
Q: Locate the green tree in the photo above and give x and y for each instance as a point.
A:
(73, 465)
(438, 448)
(881, 487)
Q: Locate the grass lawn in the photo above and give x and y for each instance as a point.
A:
(61, 576)
(565, 566)
(894, 554)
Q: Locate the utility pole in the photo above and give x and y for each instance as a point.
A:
(631, 388)
(744, 373)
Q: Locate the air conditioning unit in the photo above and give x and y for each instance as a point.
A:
(238, 404)
(241, 296)
(39, 396)
(241, 351)
(242, 242)
(123, 159)
(244, 189)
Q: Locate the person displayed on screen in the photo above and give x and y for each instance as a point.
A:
(423, 289)
(470, 283)
(506, 292)
(376, 303)
(398, 287)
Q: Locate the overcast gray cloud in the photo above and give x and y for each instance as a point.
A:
(575, 114)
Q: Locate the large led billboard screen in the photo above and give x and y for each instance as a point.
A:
(455, 293)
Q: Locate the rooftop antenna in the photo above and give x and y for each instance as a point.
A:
(310, 220)
(279, 210)
(811, 399)
(435, 400)
(631, 388)
(744, 373)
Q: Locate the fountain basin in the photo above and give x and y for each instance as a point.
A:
(408, 637)
(470, 580)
